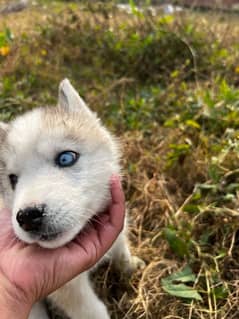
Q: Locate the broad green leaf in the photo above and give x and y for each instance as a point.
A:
(178, 245)
(180, 290)
(175, 284)
(184, 275)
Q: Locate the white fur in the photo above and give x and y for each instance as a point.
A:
(72, 195)
(38, 311)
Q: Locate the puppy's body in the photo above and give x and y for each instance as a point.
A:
(55, 167)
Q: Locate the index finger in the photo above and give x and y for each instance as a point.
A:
(117, 208)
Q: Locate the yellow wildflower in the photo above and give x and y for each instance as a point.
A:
(43, 52)
(4, 51)
(237, 69)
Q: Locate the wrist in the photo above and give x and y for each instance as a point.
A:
(11, 305)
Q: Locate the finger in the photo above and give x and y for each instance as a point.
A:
(117, 208)
(108, 230)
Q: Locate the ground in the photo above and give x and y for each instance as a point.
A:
(168, 87)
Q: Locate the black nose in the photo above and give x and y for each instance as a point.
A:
(30, 218)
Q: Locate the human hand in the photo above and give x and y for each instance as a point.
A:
(29, 272)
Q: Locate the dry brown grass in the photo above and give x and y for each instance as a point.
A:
(24, 21)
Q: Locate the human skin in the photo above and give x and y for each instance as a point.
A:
(28, 273)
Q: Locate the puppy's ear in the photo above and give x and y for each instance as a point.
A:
(69, 99)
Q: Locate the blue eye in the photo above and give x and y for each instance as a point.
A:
(67, 158)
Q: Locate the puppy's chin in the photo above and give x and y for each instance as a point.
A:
(60, 240)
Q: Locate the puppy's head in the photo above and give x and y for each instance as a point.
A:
(56, 166)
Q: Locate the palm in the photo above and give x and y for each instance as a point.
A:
(36, 271)
(40, 269)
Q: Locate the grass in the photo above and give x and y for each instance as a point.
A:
(168, 85)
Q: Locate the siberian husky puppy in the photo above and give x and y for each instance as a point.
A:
(55, 166)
